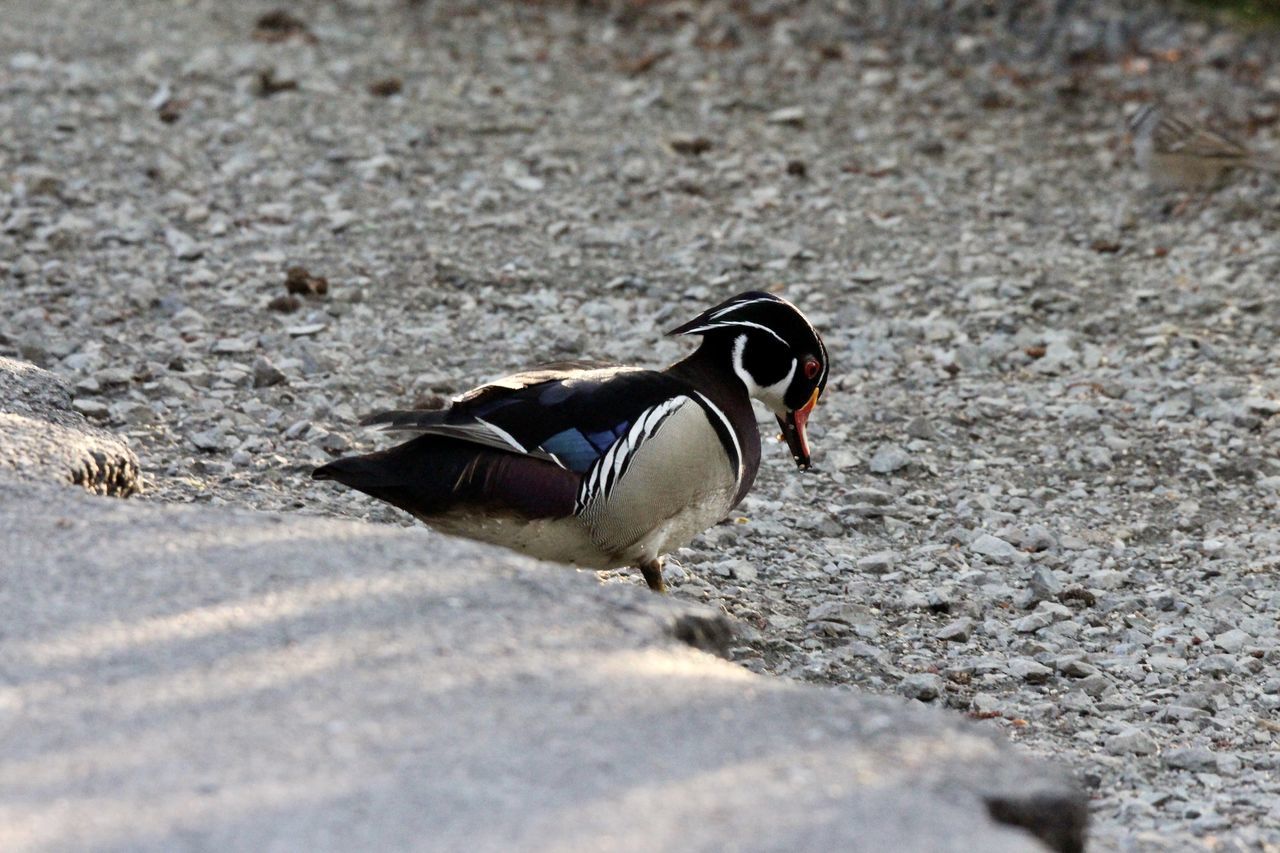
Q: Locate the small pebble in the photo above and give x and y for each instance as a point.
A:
(924, 687)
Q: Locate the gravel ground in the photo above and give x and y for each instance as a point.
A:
(1045, 474)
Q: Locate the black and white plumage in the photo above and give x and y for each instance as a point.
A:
(603, 465)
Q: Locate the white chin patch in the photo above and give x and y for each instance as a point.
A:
(770, 395)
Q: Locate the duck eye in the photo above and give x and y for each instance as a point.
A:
(811, 367)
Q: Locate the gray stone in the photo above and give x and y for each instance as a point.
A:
(1044, 584)
(1167, 663)
(333, 443)
(878, 563)
(921, 428)
(44, 438)
(1229, 764)
(368, 687)
(1232, 641)
(91, 408)
(1217, 664)
(233, 346)
(1096, 684)
(266, 374)
(875, 497)
(993, 548)
(1131, 741)
(1033, 622)
(183, 246)
(744, 570)
(1029, 671)
(957, 631)
(1037, 537)
(1076, 668)
(889, 458)
(987, 703)
(922, 686)
(844, 612)
(1098, 457)
(109, 377)
(297, 430)
(208, 440)
(1197, 758)
(1183, 712)
(1077, 701)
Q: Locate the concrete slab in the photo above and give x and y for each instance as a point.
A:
(200, 679)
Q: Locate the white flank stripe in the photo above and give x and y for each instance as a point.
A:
(619, 462)
(608, 469)
(733, 436)
(594, 482)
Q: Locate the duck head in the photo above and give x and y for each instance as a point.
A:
(776, 353)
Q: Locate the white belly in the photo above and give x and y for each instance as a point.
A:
(562, 540)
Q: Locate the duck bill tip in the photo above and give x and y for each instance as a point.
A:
(795, 432)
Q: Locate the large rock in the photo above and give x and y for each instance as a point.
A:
(180, 679)
(43, 438)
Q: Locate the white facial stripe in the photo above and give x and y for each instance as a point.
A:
(720, 320)
(739, 347)
(735, 306)
(727, 324)
(761, 328)
(771, 395)
(729, 309)
(779, 388)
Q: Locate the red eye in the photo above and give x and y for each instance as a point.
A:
(811, 367)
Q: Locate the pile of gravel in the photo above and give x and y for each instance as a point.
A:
(1046, 477)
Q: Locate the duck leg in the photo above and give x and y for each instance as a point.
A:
(652, 571)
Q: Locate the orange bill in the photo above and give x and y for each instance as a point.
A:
(793, 431)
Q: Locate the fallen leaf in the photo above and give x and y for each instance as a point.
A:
(171, 110)
(642, 63)
(298, 280)
(285, 304)
(279, 25)
(387, 87)
(269, 85)
(690, 145)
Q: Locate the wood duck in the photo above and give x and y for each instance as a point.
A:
(606, 466)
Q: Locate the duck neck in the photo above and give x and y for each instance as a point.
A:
(709, 369)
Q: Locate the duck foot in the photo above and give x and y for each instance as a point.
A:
(652, 571)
